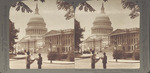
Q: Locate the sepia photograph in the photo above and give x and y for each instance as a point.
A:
(40, 35)
(74, 36)
(109, 38)
(98, 34)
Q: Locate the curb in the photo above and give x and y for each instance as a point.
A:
(57, 62)
(120, 61)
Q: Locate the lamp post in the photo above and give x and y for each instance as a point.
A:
(62, 41)
(28, 42)
(28, 46)
(34, 45)
(100, 44)
(50, 43)
(115, 42)
(15, 50)
(93, 42)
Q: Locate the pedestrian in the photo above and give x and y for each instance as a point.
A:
(39, 61)
(104, 60)
(29, 61)
(93, 60)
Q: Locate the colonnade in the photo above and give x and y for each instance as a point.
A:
(35, 31)
(60, 41)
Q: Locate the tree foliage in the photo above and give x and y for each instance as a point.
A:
(12, 35)
(87, 7)
(62, 5)
(135, 11)
(78, 34)
(40, 0)
(21, 6)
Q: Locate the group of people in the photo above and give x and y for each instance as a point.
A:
(29, 61)
(94, 60)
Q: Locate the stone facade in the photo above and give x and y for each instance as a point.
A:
(125, 39)
(60, 41)
(37, 38)
(96, 42)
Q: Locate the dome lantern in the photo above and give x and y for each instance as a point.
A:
(102, 9)
(36, 9)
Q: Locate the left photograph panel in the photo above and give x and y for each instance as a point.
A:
(40, 37)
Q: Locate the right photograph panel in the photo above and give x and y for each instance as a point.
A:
(107, 35)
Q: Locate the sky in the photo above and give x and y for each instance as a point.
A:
(55, 19)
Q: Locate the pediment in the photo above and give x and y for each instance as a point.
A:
(117, 31)
(52, 32)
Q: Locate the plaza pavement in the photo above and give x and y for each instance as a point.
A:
(19, 62)
(83, 62)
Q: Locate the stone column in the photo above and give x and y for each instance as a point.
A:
(36, 31)
(39, 30)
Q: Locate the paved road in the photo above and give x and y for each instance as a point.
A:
(21, 64)
(86, 64)
(81, 63)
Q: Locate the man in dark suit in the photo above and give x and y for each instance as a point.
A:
(104, 61)
(39, 61)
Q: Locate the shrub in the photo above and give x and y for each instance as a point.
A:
(118, 54)
(58, 56)
(63, 56)
(52, 55)
(86, 52)
(21, 53)
(129, 55)
(136, 55)
(70, 56)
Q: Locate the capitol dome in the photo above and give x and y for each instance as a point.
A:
(36, 24)
(102, 24)
(36, 19)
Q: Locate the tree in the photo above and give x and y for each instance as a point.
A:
(135, 10)
(78, 35)
(12, 35)
(23, 7)
(87, 7)
(61, 4)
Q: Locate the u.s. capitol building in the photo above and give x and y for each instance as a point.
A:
(101, 29)
(38, 39)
